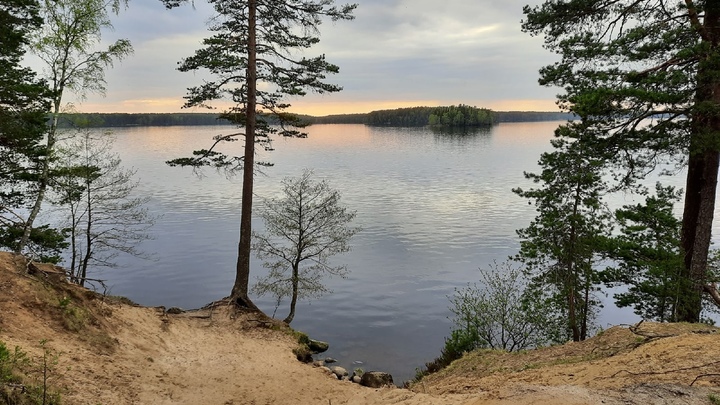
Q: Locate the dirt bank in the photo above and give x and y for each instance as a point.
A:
(111, 352)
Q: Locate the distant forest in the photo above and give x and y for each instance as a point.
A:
(96, 120)
(452, 116)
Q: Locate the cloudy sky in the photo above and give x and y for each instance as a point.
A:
(396, 53)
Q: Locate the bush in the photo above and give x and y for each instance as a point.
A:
(501, 312)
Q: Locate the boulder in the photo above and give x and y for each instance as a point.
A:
(318, 363)
(175, 310)
(329, 360)
(339, 372)
(376, 379)
(356, 379)
(317, 346)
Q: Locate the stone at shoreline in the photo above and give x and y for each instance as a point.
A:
(376, 379)
(175, 310)
(329, 360)
(356, 379)
(339, 372)
(318, 363)
(317, 346)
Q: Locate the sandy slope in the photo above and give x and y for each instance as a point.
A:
(113, 353)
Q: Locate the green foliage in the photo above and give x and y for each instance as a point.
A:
(640, 75)
(648, 254)
(25, 380)
(45, 245)
(281, 30)
(502, 312)
(100, 120)
(23, 102)
(302, 231)
(499, 313)
(451, 116)
(66, 43)
(561, 245)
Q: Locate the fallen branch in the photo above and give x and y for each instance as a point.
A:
(636, 330)
(704, 375)
(667, 371)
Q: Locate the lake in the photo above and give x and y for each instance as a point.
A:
(434, 207)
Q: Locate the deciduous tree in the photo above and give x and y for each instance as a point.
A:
(105, 216)
(68, 45)
(303, 229)
(501, 314)
(258, 41)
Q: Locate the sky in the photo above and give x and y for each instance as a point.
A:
(395, 53)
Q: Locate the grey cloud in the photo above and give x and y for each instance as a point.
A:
(394, 50)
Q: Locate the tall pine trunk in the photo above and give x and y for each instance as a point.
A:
(239, 294)
(704, 157)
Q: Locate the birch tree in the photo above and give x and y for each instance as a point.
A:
(69, 46)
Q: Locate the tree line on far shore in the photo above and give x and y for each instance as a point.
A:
(451, 116)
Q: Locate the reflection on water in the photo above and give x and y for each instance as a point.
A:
(433, 207)
(467, 133)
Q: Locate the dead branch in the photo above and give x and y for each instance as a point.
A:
(647, 335)
(704, 375)
(665, 372)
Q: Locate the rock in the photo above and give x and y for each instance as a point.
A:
(317, 346)
(339, 372)
(174, 310)
(376, 379)
(356, 379)
(318, 363)
(329, 360)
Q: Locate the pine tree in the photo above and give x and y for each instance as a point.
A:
(255, 41)
(644, 76)
(647, 253)
(23, 102)
(560, 247)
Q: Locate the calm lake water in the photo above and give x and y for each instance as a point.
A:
(433, 207)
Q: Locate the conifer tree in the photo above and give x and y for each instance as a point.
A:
(257, 41)
(647, 253)
(560, 247)
(24, 101)
(644, 75)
